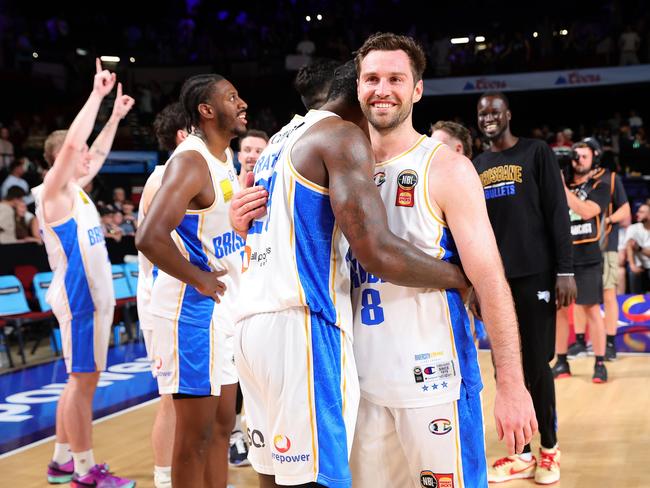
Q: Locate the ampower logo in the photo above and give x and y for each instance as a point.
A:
(17, 406)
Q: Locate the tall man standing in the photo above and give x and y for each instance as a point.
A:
(529, 214)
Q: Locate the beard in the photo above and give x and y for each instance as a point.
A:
(386, 123)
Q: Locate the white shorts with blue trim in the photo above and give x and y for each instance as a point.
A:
(301, 391)
(84, 340)
(440, 446)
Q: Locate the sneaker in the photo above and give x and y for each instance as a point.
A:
(511, 468)
(576, 350)
(100, 477)
(600, 373)
(238, 450)
(58, 474)
(548, 468)
(610, 352)
(561, 369)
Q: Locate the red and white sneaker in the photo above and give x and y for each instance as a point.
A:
(548, 468)
(511, 468)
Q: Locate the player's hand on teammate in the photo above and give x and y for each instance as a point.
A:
(104, 79)
(209, 284)
(565, 291)
(515, 416)
(473, 304)
(247, 205)
(123, 103)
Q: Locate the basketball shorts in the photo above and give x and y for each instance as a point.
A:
(187, 357)
(589, 282)
(439, 446)
(84, 339)
(300, 385)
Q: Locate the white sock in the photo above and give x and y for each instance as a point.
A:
(526, 456)
(62, 453)
(83, 461)
(237, 423)
(162, 476)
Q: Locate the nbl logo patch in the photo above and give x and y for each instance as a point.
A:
(429, 479)
(406, 182)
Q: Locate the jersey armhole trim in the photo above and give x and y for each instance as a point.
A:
(427, 199)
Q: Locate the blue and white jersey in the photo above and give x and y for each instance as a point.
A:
(83, 281)
(206, 239)
(295, 254)
(413, 346)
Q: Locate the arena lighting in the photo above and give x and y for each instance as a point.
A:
(308, 18)
(459, 40)
(319, 17)
(35, 55)
(110, 59)
(132, 59)
(564, 32)
(81, 52)
(535, 34)
(481, 47)
(479, 38)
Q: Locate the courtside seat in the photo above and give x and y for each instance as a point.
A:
(124, 297)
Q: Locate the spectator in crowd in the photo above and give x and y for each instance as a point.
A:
(455, 135)
(15, 178)
(111, 230)
(313, 82)
(26, 223)
(635, 121)
(629, 43)
(638, 250)
(561, 140)
(119, 196)
(6, 149)
(251, 146)
(129, 219)
(8, 215)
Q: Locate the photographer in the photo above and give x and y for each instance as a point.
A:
(588, 198)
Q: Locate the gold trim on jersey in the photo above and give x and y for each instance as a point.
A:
(459, 457)
(411, 149)
(304, 181)
(310, 398)
(344, 376)
(427, 199)
(212, 384)
(292, 241)
(175, 378)
(333, 273)
(65, 261)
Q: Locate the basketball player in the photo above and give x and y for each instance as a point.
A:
(81, 293)
(294, 338)
(418, 371)
(251, 146)
(455, 135)
(313, 82)
(187, 236)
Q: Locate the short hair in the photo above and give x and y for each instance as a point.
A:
(458, 131)
(254, 133)
(313, 81)
(196, 90)
(344, 84)
(15, 192)
(16, 163)
(53, 145)
(496, 94)
(170, 120)
(387, 41)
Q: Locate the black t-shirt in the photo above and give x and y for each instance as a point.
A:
(618, 199)
(527, 208)
(588, 235)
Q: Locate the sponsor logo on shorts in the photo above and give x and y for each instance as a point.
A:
(256, 438)
(157, 362)
(428, 355)
(281, 443)
(417, 373)
(429, 479)
(440, 427)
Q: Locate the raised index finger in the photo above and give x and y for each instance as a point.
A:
(119, 90)
(98, 65)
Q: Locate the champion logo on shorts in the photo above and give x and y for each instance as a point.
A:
(544, 295)
(440, 427)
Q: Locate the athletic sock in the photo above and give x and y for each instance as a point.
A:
(62, 453)
(162, 476)
(611, 339)
(526, 456)
(580, 338)
(237, 423)
(561, 358)
(600, 359)
(83, 461)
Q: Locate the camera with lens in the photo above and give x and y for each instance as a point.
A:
(565, 155)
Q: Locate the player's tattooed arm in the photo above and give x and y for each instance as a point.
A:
(182, 185)
(361, 215)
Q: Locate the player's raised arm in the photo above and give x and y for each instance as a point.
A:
(361, 214)
(184, 179)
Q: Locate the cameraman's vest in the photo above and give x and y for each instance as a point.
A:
(590, 230)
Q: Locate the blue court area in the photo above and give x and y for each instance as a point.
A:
(28, 397)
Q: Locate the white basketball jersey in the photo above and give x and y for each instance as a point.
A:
(413, 346)
(295, 254)
(145, 267)
(82, 281)
(206, 239)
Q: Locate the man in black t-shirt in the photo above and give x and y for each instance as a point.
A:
(529, 214)
(588, 197)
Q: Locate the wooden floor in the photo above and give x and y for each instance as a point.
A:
(604, 433)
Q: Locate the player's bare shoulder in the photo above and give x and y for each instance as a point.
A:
(448, 166)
